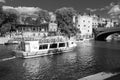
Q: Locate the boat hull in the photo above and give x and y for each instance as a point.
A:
(22, 54)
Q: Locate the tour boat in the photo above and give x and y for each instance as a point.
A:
(42, 47)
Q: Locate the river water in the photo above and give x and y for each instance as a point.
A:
(88, 58)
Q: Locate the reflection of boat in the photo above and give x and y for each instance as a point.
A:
(10, 42)
(35, 48)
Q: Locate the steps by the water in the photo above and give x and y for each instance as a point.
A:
(6, 59)
(99, 76)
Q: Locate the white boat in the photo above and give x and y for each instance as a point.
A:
(35, 48)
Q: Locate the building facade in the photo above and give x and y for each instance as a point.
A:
(52, 17)
(30, 30)
(95, 21)
(85, 24)
(106, 23)
(52, 27)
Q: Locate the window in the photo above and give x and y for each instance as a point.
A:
(39, 29)
(33, 34)
(33, 29)
(67, 44)
(51, 21)
(23, 29)
(41, 46)
(72, 43)
(54, 45)
(45, 46)
(61, 44)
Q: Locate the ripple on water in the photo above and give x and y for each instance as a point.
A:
(88, 58)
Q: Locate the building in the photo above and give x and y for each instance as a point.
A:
(106, 22)
(102, 22)
(31, 30)
(109, 23)
(52, 27)
(52, 23)
(85, 24)
(52, 17)
(36, 30)
(95, 21)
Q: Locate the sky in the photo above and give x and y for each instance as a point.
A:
(99, 7)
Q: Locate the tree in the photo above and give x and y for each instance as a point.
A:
(11, 18)
(38, 21)
(64, 18)
(43, 15)
(5, 28)
(2, 16)
(28, 20)
(6, 20)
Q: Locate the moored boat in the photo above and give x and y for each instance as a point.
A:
(42, 47)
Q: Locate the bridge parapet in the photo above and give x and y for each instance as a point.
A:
(102, 33)
(108, 28)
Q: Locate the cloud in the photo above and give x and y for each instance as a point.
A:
(22, 10)
(3, 1)
(114, 12)
(91, 10)
(101, 9)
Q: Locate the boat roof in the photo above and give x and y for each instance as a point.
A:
(52, 39)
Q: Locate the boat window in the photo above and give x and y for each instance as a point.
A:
(61, 44)
(67, 44)
(53, 45)
(72, 43)
(45, 46)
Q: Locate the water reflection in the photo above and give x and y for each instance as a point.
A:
(32, 66)
(69, 57)
(35, 66)
(88, 58)
(86, 53)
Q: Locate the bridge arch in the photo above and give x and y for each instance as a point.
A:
(103, 35)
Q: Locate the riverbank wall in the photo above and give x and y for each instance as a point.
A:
(4, 40)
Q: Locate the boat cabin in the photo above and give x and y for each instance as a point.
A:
(32, 46)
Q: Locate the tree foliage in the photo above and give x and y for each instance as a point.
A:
(28, 20)
(64, 18)
(6, 20)
(5, 28)
(43, 15)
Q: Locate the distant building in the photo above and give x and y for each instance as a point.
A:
(106, 23)
(85, 24)
(102, 22)
(52, 27)
(111, 23)
(31, 30)
(95, 21)
(27, 19)
(52, 17)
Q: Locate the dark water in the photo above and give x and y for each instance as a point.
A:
(88, 58)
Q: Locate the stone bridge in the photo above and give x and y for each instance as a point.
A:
(102, 33)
